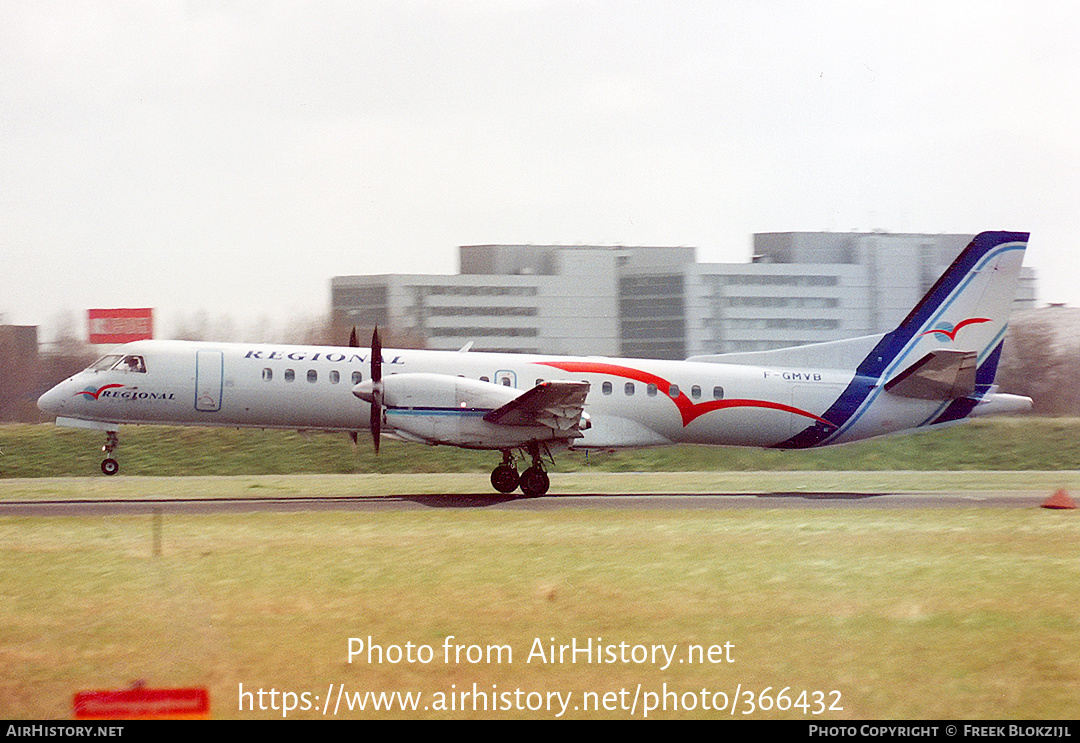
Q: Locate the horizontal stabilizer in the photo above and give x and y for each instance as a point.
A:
(939, 375)
(557, 405)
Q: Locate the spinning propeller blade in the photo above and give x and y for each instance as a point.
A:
(354, 342)
(377, 392)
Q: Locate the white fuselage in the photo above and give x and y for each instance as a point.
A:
(630, 402)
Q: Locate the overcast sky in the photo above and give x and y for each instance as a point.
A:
(230, 157)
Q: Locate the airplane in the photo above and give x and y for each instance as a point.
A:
(935, 368)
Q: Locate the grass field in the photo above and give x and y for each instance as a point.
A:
(988, 444)
(909, 613)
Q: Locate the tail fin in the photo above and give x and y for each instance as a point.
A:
(965, 313)
(966, 310)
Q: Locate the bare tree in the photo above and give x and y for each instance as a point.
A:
(1035, 362)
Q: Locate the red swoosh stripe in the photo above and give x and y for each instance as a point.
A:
(951, 334)
(690, 411)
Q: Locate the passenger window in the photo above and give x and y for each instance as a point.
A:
(606, 388)
(335, 376)
(290, 375)
(695, 392)
(629, 388)
(268, 375)
(357, 377)
(673, 390)
(651, 390)
(484, 379)
(312, 376)
(718, 393)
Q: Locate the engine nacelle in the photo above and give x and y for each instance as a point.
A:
(441, 409)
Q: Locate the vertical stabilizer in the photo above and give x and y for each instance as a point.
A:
(966, 311)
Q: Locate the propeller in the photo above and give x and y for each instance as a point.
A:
(372, 391)
(377, 388)
(354, 342)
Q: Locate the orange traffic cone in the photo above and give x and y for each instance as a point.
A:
(1060, 499)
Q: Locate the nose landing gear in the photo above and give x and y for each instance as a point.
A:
(110, 466)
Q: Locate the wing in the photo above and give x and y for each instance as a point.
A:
(557, 405)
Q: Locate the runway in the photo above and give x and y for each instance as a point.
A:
(669, 501)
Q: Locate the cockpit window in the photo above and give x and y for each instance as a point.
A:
(132, 364)
(120, 363)
(105, 362)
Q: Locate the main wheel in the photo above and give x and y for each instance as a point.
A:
(534, 482)
(504, 478)
(110, 466)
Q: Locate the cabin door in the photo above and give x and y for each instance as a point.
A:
(209, 373)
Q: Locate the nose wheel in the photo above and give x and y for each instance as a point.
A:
(110, 466)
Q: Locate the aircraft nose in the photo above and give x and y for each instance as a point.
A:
(52, 401)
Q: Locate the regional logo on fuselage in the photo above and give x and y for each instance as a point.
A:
(113, 391)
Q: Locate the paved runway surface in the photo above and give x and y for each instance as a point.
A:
(95, 507)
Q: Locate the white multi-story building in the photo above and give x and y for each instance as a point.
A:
(808, 287)
(517, 298)
(658, 302)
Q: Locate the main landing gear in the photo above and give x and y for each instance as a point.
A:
(110, 466)
(533, 482)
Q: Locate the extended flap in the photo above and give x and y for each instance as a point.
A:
(557, 405)
(939, 375)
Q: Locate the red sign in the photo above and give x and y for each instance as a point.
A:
(141, 703)
(121, 325)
